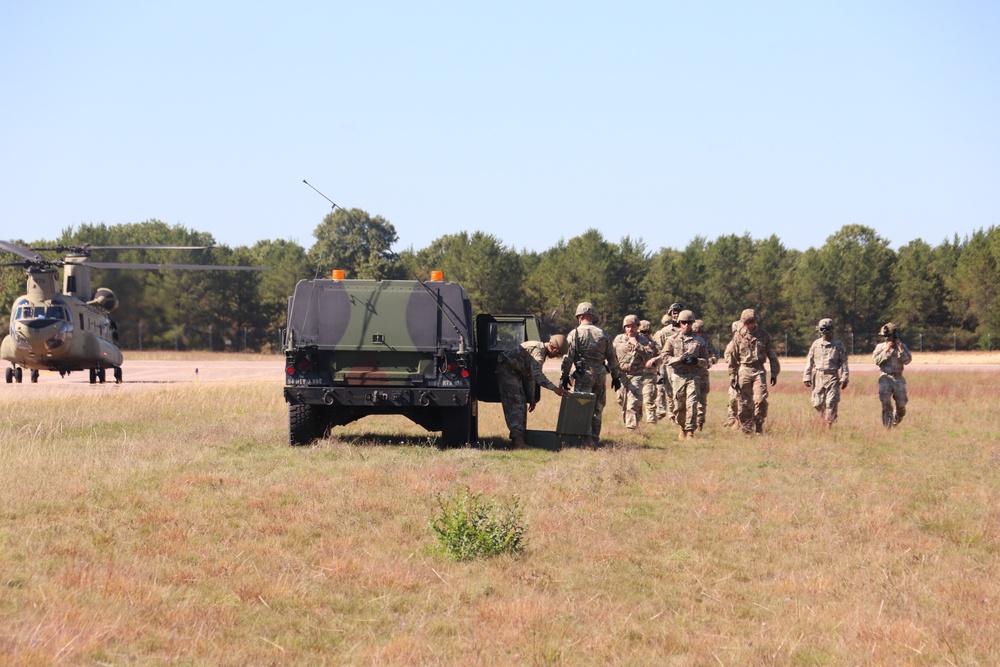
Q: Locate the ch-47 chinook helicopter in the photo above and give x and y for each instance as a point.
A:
(72, 330)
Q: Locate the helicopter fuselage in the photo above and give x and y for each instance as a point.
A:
(62, 334)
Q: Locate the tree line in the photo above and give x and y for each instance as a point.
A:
(946, 294)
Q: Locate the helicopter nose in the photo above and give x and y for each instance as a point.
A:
(40, 335)
(39, 324)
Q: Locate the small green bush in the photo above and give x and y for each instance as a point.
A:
(469, 526)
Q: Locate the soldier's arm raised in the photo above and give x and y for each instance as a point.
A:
(880, 354)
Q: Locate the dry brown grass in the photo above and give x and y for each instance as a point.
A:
(176, 525)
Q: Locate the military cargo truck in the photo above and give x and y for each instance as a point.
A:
(367, 347)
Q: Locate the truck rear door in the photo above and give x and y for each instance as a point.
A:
(494, 334)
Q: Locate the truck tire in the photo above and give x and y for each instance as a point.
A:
(301, 424)
(456, 426)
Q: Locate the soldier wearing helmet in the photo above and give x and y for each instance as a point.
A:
(649, 375)
(746, 354)
(519, 370)
(826, 371)
(686, 355)
(633, 350)
(664, 387)
(704, 384)
(590, 357)
(890, 356)
(587, 308)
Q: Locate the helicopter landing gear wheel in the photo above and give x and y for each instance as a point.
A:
(118, 374)
(34, 375)
(18, 376)
(102, 374)
(10, 375)
(93, 376)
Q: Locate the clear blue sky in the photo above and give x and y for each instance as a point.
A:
(533, 121)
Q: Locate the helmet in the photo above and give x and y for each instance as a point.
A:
(587, 308)
(888, 330)
(666, 319)
(825, 324)
(676, 307)
(698, 326)
(685, 316)
(559, 342)
(645, 326)
(748, 315)
(736, 326)
(630, 319)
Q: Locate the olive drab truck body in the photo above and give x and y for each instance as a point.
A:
(365, 347)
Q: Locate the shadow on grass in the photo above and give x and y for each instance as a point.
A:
(430, 441)
(483, 444)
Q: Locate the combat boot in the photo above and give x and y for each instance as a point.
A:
(518, 442)
(681, 435)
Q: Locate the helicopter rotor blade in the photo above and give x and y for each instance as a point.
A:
(86, 247)
(146, 247)
(7, 246)
(25, 263)
(182, 267)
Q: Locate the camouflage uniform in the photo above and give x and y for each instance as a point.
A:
(826, 370)
(704, 382)
(649, 387)
(665, 393)
(733, 408)
(686, 377)
(589, 343)
(632, 356)
(891, 384)
(518, 370)
(746, 355)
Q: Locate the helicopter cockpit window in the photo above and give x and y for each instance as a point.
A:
(41, 313)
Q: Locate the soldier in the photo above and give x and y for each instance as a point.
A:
(649, 377)
(686, 356)
(826, 371)
(704, 384)
(732, 413)
(518, 370)
(665, 400)
(750, 347)
(590, 356)
(890, 356)
(633, 350)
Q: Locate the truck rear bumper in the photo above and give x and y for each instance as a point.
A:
(378, 397)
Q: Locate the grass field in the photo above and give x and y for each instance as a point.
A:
(176, 526)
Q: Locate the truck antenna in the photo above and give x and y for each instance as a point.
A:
(335, 204)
